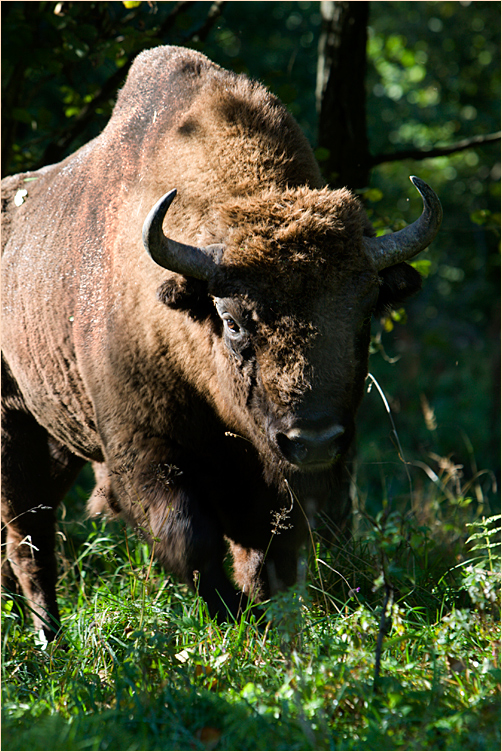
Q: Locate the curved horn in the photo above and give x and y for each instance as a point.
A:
(388, 250)
(177, 257)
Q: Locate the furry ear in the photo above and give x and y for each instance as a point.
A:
(398, 283)
(185, 294)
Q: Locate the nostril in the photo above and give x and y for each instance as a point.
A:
(292, 448)
(336, 433)
(334, 446)
(311, 445)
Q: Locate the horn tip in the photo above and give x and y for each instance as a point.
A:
(153, 222)
(429, 196)
(167, 198)
(416, 181)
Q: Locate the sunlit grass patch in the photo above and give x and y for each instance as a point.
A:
(142, 666)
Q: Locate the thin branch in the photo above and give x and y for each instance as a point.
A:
(215, 11)
(440, 151)
(171, 18)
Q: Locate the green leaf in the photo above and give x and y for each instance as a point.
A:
(423, 267)
(373, 194)
(480, 217)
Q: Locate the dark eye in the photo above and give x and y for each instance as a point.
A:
(231, 325)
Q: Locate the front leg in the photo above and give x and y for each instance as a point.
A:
(166, 498)
(261, 574)
(266, 533)
(188, 541)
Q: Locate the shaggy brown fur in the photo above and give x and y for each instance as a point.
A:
(186, 395)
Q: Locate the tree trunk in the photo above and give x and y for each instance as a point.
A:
(341, 94)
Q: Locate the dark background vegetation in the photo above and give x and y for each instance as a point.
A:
(430, 86)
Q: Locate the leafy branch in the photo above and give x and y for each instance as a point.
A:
(440, 151)
(56, 149)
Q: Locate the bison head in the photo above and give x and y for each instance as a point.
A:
(288, 290)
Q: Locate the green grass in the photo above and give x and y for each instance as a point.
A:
(144, 667)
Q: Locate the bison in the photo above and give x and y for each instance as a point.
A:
(208, 355)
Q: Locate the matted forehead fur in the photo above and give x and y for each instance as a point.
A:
(301, 235)
(283, 250)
